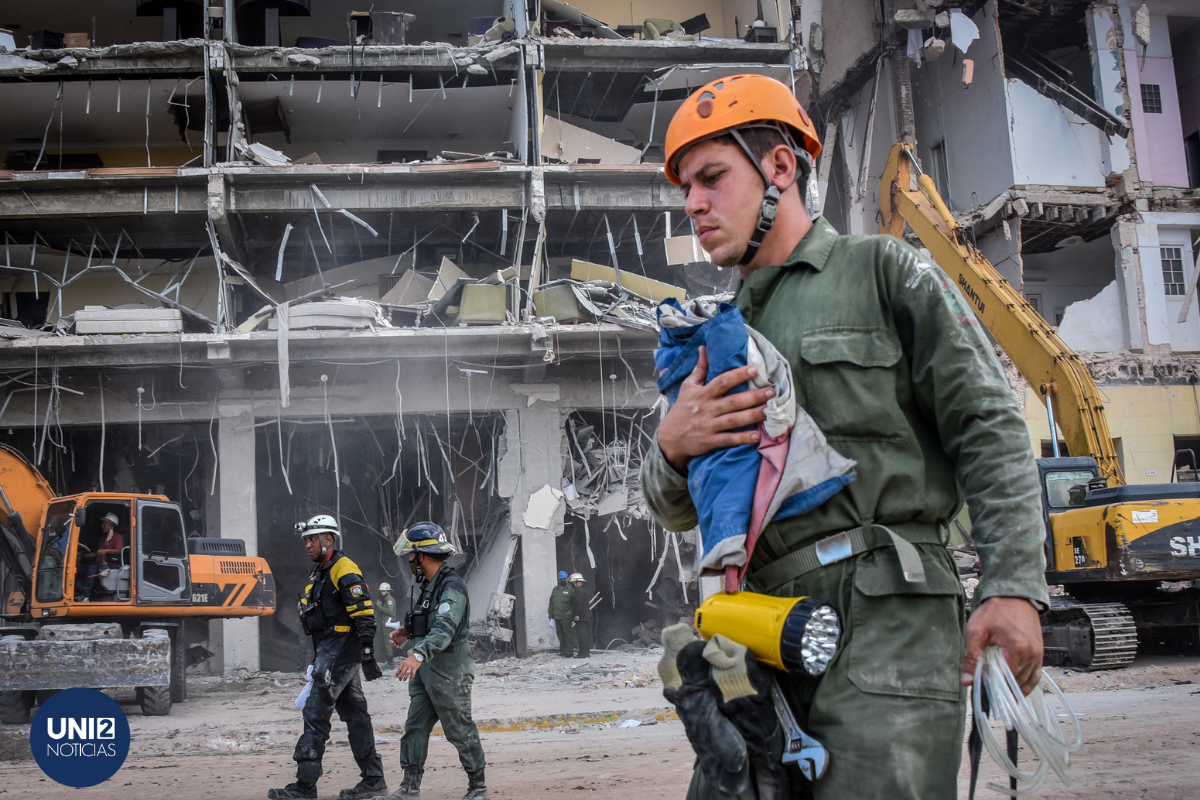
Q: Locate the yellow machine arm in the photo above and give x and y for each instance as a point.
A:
(1042, 358)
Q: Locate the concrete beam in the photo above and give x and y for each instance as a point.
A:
(430, 187)
(502, 344)
(144, 58)
(64, 194)
(634, 55)
(372, 58)
(639, 187)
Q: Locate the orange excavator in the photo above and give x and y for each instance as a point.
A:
(130, 632)
(1112, 546)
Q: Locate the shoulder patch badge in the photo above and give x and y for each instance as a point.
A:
(443, 608)
(356, 591)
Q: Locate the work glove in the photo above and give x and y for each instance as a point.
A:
(370, 667)
(745, 687)
(723, 697)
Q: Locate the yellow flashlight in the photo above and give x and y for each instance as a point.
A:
(795, 634)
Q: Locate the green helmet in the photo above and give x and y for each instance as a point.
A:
(424, 537)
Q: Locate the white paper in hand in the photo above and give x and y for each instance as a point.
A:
(302, 698)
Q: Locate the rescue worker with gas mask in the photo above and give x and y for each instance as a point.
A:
(559, 611)
(336, 611)
(440, 668)
(893, 367)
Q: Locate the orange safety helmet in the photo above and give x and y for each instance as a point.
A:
(737, 101)
(728, 105)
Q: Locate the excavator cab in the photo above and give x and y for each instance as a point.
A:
(154, 542)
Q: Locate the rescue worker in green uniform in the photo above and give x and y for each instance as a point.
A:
(581, 616)
(441, 668)
(385, 609)
(893, 366)
(559, 612)
(336, 611)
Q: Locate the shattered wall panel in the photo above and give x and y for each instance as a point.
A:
(851, 41)
(1052, 146)
(1092, 324)
(971, 121)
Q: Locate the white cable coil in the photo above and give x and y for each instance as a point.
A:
(1031, 716)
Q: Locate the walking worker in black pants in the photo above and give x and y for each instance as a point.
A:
(336, 611)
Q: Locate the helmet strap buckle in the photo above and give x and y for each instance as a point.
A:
(766, 221)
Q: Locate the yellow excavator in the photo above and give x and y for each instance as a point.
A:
(1109, 544)
(128, 632)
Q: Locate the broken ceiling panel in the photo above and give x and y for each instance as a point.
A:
(566, 142)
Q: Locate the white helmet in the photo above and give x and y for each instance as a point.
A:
(111, 517)
(385, 587)
(575, 576)
(321, 523)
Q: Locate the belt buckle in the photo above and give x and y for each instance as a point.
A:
(834, 548)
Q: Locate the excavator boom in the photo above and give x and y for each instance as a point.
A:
(1043, 359)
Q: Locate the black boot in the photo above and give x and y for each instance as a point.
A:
(364, 789)
(410, 787)
(475, 787)
(293, 791)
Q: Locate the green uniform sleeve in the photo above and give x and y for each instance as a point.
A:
(960, 388)
(449, 615)
(666, 492)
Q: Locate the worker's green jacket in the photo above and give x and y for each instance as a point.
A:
(560, 601)
(445, 648)
(890, 361)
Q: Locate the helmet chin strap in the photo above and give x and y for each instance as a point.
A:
(770, 202)
(768, 209)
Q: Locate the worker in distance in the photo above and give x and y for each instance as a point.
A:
(336, 611)
(898, 375)
(441, 667)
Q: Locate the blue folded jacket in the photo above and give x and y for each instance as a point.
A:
(722, 483)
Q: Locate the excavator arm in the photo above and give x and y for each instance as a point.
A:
(1043, 359)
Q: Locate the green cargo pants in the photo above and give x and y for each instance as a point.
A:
(890, 709)
(436, 697)
(566, 638)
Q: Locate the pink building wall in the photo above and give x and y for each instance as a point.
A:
(1159, 137)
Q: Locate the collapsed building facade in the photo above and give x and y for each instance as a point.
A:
(1064, 135)
(274, 259)
(278, 258)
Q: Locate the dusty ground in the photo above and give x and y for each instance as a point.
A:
(234, 738)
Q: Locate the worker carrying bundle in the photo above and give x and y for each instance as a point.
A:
(893, 368)
(790, 470)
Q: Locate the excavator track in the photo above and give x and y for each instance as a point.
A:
(1089, 636)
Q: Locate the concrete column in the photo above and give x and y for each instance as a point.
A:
(541, 438)
(236, 641)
